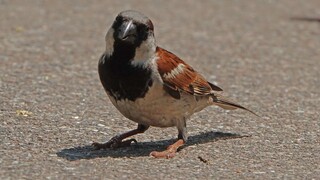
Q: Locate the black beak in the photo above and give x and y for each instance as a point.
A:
(127, 31)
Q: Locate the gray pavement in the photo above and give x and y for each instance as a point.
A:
(264, 54)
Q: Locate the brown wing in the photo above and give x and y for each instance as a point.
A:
(179, 76)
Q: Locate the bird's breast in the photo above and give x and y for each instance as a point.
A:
(158, 108)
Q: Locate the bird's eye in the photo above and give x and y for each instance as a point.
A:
(144, 28)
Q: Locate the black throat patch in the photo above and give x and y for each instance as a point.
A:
(121, 79)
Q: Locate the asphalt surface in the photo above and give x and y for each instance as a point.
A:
(264, 54)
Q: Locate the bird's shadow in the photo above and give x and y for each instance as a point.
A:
(141, 148)
(306, 19)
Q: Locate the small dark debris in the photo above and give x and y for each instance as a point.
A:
(203, 160)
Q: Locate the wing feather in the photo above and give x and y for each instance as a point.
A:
(179, 76)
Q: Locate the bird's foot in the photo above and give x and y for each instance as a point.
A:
(113, 143)
(170, 152)
(163, 154)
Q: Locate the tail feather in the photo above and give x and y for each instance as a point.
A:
(228, 104)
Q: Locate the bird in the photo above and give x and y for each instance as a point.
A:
(150, 85)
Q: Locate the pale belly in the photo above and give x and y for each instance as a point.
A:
(159, 109)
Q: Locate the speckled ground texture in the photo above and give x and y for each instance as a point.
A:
(264, 54)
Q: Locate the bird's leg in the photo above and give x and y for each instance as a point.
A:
(117, 141)
(170, 152)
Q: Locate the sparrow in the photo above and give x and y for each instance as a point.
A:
(150, 85)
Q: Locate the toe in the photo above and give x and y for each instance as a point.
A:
(96, 145)
(163, 154)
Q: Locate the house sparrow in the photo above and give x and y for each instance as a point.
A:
(150, 85)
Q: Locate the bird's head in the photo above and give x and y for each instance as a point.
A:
(131, 32)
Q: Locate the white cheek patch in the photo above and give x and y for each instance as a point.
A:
(109, 41)
(145, 51)
(174, 72)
